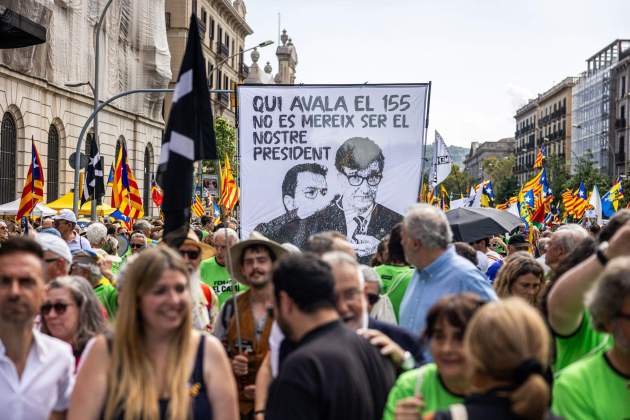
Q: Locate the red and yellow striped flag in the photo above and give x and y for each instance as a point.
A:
(197, 206)
(125, 192)
(33, 191)
(230, 192)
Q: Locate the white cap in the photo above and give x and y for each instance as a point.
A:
(54, 244)
(67, 215)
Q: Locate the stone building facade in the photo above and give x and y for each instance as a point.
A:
(473, 164)
(37, 104)
(619, 134)
(223, 30)
(546, 120)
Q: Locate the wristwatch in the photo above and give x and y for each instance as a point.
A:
(601, 249)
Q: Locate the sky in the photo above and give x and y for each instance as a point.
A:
(485, 58)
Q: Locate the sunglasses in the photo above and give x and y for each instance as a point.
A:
(192, 255)
(373, 298)
(137, 246)
(60, 308)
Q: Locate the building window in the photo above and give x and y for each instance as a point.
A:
(623, 85)
(210, 68)
(8, 159)
(148, 174)
(622, 145)
(211, 29)
(52, 171)
(167, 19)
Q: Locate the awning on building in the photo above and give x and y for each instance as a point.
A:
(17, 31)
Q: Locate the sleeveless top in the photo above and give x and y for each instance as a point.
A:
(201, 409)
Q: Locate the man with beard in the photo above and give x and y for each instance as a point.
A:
(331, 373)
(244, 323)
(36, 371)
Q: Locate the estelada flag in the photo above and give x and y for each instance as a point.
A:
(33, 191)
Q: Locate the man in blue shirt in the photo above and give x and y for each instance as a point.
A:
(426, 240)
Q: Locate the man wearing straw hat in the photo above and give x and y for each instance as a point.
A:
(244, 326)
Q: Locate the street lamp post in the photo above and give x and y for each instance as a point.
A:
(77, 157)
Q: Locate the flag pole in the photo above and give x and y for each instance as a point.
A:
(233, 286)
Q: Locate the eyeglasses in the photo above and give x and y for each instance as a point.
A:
(191, 255)
(373, 298)
(372, 179)
(312, 192)
(137, 246)
(51, 260)
(60, 308)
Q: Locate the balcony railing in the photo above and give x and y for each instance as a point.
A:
(224, 98)
(222, 49)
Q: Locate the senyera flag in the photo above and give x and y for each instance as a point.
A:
(33, 191)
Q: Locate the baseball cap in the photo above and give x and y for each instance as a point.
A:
(84, 256)
(67, 215)
(56, 245)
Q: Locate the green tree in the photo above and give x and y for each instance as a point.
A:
(457, 182)
(226, 145)
(557, 174)
(501, 173)
(585, 171)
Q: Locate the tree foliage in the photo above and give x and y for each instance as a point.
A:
(226, 145)
(457, 183)
(501, 173)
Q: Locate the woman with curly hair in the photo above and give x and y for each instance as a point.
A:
(521, 275)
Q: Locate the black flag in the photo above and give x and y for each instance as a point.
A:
(189, 137)
(93, 187)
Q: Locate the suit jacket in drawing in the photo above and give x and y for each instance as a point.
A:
(285, 228)
(333, 217)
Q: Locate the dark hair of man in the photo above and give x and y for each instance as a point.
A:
(290, 179)
(307, 280)
(457, 310)
(205, 220)
(21, 244)
(111, 229)
(358, 153)
(467, 251)
(619, 219)
(395, 251)
(258, 248)
(486, 241)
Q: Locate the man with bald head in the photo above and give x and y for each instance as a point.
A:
(562, 242)
(213, 270)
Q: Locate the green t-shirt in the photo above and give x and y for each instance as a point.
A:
(108, 296)
(591, 389)
(390, 275)
(435, 396)
(572, 348)
(217, 276)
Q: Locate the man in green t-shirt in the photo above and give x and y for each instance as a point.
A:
(396, 273)
(214, 272)
(596, 387)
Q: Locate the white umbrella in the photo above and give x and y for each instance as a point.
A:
(11, 209)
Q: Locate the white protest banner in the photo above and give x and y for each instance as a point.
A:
(319, 158)
(442, 162)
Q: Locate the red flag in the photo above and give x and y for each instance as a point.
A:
(33, 191)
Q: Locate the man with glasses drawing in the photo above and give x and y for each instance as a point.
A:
(304, 192)
(355, 213)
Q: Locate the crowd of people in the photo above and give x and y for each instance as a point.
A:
(105, 321)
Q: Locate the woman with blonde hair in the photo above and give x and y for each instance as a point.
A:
(507, 349)
(155, 366)
(521, 275)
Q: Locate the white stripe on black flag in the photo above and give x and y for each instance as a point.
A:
(189, 137)
(94, 186)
